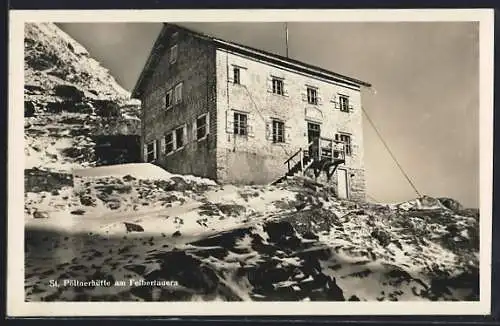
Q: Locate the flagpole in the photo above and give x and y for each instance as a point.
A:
(286, 33)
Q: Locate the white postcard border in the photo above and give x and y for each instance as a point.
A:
(17, 307)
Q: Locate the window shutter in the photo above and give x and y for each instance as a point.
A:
(207, 117)
(229, 122)
(145, 153)
(194, 127)
(351, 108)
(230, 75)
(304, 96)
(269, 130)
(336, 103)
(285, 88)
(174, 139)
(163, 100)
(250, 125)
(243, 75)
(162, 145)
(288, 134)
(319, 99)
(269, 84)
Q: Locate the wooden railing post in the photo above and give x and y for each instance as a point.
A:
(288, 164)
(301, 160)
(332, 155)
(319, 149)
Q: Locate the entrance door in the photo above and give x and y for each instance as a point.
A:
(342, 183)
(313, 133)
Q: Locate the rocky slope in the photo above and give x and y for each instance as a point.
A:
(72, 105)
(201, 241)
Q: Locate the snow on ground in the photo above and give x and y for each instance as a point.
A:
(284, 242)
(146, 171)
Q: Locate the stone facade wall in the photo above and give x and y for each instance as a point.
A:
(206, 74)
(255, 158)
(195, 68)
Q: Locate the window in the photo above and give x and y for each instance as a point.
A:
(278, 86)
(168, 99)
(150, 152)
(236, 75)
(179, 137)
(201, 127)
(344, 103)
(278, 131)
(346, 139)
(169, 143)
(240, 124)
(178, 93)
(312, 96)
(173, 54)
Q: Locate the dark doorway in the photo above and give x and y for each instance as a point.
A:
(313, 135)
(117, 149)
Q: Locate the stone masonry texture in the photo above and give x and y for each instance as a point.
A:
(206, 73)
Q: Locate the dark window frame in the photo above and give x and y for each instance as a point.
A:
(169, 101)
(344, 103)
(237, 75)
(278, 131)
(180, 141)
(150, 151)
(204, 127)
(312, 95)
(278, 85)
(346, 139)
(240, 123)
(170, 143)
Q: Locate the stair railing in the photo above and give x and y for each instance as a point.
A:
(300, 153)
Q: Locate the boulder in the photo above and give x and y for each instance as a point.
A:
(114, 205)
(29, 109)
(106, 108)
(40, 214)
(55, 107)
(69, 92)
(279, 230)
(87, 200)
(180, 184)
(131, 227)
(33, 89)
(382, 236)
(451, 204)
(310, 236)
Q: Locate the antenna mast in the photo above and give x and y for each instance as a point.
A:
(286, 38)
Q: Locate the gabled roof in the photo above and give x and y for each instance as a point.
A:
(293, 64)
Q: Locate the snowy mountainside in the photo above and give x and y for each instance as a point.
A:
(291, 242)
(74, 109)
(52, 57)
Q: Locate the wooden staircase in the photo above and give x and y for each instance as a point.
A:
(329, 155)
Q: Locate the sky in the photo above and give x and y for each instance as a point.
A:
(424, 100)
